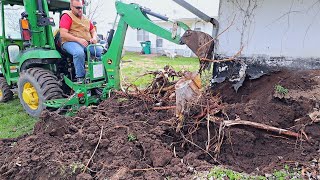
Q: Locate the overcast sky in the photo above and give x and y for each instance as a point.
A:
(106, 9)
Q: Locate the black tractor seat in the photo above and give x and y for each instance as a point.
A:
(58, 43)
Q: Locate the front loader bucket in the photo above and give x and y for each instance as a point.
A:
(202, 44)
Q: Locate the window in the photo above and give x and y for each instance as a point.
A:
(142, 35)
(197, 29)
(12, 16)
(159, 42)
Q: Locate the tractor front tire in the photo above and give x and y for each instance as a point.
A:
(5, 92)
(35, 86)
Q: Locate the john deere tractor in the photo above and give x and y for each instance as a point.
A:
(30, 61)
(44, 74)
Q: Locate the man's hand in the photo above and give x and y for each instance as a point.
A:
(93, 40)
(83, 42)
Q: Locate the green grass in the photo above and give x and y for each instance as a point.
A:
(132, 72)
(281, 90)
(13, 119)
(222, 173)
(286, 173)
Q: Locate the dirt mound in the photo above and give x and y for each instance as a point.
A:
(123, 138)
(258, 100)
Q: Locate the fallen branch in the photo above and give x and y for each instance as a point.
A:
(305, 135)
(116, 127)
(164, 108)
(274, 136)
(204, 112)
(231, 24)
(196, 145)
(84, 170)
(147, 169)
(224, 60)
(208, 131)
(220, 139)
(229, 123)
(162, 89)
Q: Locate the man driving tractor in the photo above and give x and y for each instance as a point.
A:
(44, 73)
(77, 32)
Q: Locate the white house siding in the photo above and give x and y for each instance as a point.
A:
(106, 13)
(270, 28)
(131, 43)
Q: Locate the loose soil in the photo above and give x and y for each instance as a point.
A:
(136, 142)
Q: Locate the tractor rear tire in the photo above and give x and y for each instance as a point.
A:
(5, 92)
(35, 86)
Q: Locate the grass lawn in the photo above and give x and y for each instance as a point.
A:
(140, 64)
(15, 122)
(13, 119)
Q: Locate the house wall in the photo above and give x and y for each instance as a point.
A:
(269, 29)
(105, 11)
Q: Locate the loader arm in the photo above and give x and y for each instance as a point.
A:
(136, 17)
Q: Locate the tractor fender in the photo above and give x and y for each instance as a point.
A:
(34, 57)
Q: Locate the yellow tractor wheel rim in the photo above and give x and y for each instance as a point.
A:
(1, 94)
(30, 96)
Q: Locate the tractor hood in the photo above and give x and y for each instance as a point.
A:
(54, 5)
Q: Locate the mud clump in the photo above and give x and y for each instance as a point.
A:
(136, 142)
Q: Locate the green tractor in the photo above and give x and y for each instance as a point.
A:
(29, 61)
(44, 74)
(32, 61)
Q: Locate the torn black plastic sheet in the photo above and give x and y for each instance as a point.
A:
(237, 71)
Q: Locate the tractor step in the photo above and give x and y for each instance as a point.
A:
(56, 103)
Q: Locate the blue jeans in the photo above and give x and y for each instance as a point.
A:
(78, 52)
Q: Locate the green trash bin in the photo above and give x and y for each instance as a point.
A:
(146, 47)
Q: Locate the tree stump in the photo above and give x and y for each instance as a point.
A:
(188, 92)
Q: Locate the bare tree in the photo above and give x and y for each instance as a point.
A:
(246, 9)
(94, 9)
